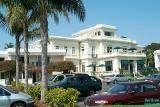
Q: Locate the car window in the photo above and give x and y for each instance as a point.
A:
(119, 88)
(3, 92)
(59, 78)
(137, 88)
(73, 80)
(52, 77)
(148, 87)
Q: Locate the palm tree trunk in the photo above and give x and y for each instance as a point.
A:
(17, 58)
(44, 38)
(25, 31)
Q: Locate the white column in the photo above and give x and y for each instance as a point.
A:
(157, 61)
(135, 66)
(116, 65)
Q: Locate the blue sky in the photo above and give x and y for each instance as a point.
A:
(136, 19)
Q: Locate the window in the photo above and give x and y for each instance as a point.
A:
(124, 49)
(3, 92)
(83, 68)
(95, 33)
(57, 47)
(109, 66)
(73, 50)
(148, 88)
(137, 88)
(66, 48)
(109, 49)
(82, 49)
(59, 78)
(99, 33)
(108, 33)
(119, 88)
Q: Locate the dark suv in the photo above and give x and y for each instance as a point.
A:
(85, 84)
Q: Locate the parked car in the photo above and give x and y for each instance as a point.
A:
(12, 98)
(126, 93)
(60, 77)
(114, 78)
(86, 85)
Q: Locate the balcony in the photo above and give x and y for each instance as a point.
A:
(123, 54)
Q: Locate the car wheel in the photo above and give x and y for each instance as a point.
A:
(18, 104)
(115, 81)
(118, 103)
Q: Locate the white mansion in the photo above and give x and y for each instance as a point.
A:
(157, 59)
(96, 49)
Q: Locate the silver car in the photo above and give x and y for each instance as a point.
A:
(114, 78)
(12, 98)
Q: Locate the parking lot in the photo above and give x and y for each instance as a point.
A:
(105, 86)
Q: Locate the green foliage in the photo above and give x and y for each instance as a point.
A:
(149, 72)
(64, 66)
(149, 53)
(35, 92)
(60, 97)
(18, 87)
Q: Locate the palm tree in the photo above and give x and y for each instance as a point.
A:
(8, 45)
(18, 19)
(14, 30)
(55, 8)
(20, 16)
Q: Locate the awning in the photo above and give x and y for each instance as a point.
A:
(140, 62)
(91, 65)
(118, 47)
(149, 68)
(101, 65)
(132, 49)
(125, 61)
(108, 63)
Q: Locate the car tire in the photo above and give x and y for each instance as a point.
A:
(118, 103)
(115, 81)
(18, 104)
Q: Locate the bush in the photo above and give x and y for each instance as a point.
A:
(19, 87)
(60, 97)
(35, 92)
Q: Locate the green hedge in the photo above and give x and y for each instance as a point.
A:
(60, 97)
(35, 92)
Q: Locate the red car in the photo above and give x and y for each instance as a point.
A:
(127, 93)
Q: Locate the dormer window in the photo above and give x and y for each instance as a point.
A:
(108, 33)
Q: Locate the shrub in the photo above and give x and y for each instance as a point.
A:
(35, 92)
(60, 97)
(18, 87)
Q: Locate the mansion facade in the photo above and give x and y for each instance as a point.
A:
(157, 59)
(96, 49)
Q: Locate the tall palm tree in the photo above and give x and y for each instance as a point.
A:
(14, 30)
(23, 16)
(18, 18)
(55, 8)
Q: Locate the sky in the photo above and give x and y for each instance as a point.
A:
(136, 19)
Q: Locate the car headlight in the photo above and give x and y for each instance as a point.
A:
(101, 102)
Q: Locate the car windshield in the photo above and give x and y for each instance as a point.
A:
(52, 77)
(9, 89)
(119, 88)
